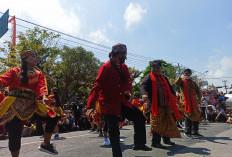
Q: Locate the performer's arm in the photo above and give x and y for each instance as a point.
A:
(145, 87)
(41, 87)
(198, 91)
(179, 82)
(128, 83)
(101, 78)
(7, 78)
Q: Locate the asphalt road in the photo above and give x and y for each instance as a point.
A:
(85, 144)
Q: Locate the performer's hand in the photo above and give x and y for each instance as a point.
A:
(45, 100)
(145, 98)
(90, 110)
(145, 107)
(128, 95)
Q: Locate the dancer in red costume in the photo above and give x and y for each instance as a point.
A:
(27, 97)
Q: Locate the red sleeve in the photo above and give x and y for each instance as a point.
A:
(41, 87)
(128, 82)
(2, 96)
(7, 78)
(93, 96)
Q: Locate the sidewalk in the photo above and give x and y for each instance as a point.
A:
(219, 145)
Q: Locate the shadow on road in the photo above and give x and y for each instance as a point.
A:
(213, 139)
(125, 146)
(180, 149)
(2, 147)
(60, 138)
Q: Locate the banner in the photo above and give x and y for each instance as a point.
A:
(4, 23)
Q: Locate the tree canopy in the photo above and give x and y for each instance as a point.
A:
(72, 70)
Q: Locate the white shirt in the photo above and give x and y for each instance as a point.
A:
(205, 102)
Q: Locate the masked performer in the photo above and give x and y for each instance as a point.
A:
(159, 97)
(112, 88)
(190, 97)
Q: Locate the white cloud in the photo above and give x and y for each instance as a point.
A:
(47, 13)
(99, 37)
(219, 67)
(133, 14)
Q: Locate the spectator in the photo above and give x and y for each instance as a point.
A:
(212, 100)
(211, 113)
(204, 104)
(221, 115)
(221, 97)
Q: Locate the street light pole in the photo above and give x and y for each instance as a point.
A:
(224, 81)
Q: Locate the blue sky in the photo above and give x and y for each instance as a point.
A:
(195, 33)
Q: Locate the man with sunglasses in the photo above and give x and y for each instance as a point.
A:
(113, 89)
(159, 98)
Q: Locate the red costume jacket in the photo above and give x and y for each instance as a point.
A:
(109, 89)
(37, 81)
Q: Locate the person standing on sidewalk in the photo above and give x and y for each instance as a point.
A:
(159, 97)
(190, 98)
(113, 89)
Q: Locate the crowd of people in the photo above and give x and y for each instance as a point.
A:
(213, 106)
(28, 107)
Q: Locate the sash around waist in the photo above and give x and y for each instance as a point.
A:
(22, 93)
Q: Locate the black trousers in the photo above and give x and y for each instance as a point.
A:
(221, 118)
(156, 138)
(211, 117)
(15, 127)
(203, 115)
(191, 125)
(132, 114)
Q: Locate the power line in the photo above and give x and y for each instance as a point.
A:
(81, 39)
(133, 55)
(136, 57)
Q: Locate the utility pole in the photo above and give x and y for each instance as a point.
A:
(224, 81)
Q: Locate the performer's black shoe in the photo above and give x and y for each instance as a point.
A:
(49, 148)
(158, 145)
(169, 142)
(100, 134)
(187, 135)
(141, 147)
(196, 134)
(56, 136)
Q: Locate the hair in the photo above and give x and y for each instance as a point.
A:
(57, 98)
(158, 62)
(23, 74)
(114, 54)
(188, 70)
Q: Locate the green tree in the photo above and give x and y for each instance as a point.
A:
(75, 72)
(169, 70)
(72, 70)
